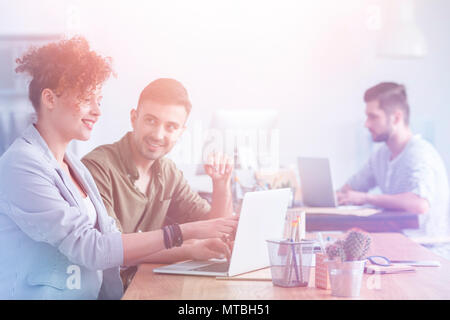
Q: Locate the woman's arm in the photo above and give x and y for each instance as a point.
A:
(137, 246)
(36, 203)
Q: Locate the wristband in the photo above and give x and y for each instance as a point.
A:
(167, 241)
(178, 235)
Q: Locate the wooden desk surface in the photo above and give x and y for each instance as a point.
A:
(424, 283)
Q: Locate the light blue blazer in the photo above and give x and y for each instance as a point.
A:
(48, 247)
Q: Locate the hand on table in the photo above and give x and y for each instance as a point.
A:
(210, 248)
(222, 228)
(351, 197)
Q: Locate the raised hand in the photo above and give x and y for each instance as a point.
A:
(219, 167)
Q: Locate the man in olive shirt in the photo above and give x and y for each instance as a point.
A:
(143, 191)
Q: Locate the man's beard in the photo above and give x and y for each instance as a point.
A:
(153, 155)
(149, 155)
(383, 137)
(142, 150)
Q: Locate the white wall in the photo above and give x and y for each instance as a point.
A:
(312, 60)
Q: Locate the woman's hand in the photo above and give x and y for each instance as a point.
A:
(222, 228)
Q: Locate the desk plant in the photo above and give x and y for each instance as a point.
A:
(346, 263)
(353, 248)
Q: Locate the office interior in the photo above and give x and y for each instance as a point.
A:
(294, 70)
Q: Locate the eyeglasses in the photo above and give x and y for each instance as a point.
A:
(379, 261)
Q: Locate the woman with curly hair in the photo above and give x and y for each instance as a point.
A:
(56, 238)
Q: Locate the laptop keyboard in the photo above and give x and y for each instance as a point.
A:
(215, 267)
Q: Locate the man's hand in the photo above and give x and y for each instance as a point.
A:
(209, 249)
(219, 167)
(350, 197)
(222, 228)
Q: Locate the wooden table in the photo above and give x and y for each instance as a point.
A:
(424, 283)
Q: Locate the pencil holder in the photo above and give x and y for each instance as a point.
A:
(290, 262)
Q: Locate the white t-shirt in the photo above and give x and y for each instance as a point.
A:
(418, 169)
(92, 213)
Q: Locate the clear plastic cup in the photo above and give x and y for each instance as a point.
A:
(290, 262)
(346, 278)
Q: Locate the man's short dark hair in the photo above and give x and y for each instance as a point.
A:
(391, 96)
(166, 91)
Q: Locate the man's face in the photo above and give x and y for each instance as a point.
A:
(156, 128)
(378, 122)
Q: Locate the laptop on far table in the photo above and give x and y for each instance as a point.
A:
(317, 184)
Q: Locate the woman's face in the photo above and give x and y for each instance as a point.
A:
(75, 118)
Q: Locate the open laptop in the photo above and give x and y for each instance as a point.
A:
(262, 217)
(317, 184)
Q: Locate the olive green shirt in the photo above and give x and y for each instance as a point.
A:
(169, 198)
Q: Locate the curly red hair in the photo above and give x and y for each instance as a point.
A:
(62, 66)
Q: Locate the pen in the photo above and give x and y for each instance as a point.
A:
(322, 245)
(428, 263)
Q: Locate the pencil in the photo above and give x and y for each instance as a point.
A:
(294, 258)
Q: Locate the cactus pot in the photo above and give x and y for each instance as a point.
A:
(346, 277)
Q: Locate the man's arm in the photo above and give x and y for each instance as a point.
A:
(416, 195)
(407, 201)
(198, 249)
(363, 180)
(219, 168)
(357, 186)
(222, 201)
(187, 205)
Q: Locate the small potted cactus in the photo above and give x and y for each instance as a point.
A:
(346, 263)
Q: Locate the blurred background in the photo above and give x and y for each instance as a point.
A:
(304, 63)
